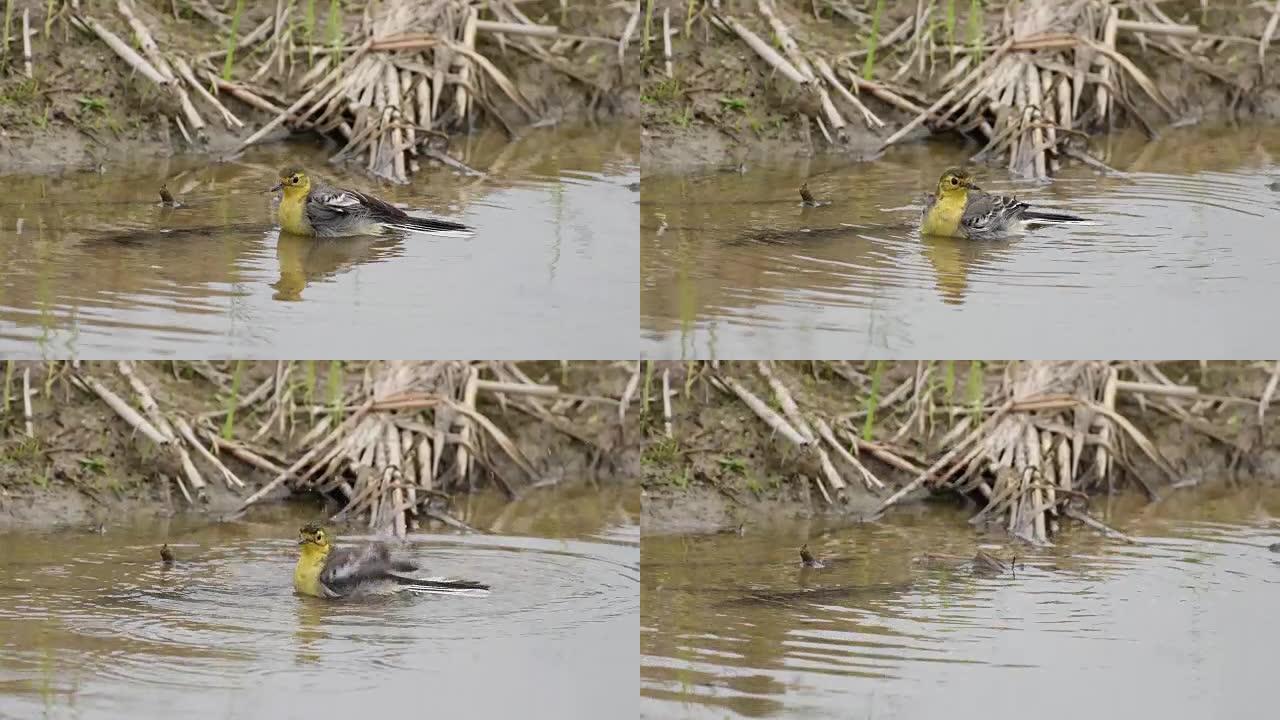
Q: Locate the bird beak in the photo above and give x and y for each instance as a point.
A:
(276, 187)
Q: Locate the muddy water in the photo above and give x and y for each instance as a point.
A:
(93, 626)
(92, 266)
(1181, 626)
(732, 266)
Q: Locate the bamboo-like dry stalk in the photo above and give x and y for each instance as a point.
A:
(1050, 433)
(1030, 90)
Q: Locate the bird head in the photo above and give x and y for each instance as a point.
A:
(293, 181)
(955, 180)
(313, 536)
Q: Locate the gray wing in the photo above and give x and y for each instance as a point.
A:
(346, 568)
(988, 214)
(326, 204)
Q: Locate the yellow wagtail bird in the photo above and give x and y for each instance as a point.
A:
(961, 209)
(315, 209)
(328, 572)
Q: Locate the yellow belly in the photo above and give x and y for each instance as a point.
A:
(293, 215)
(944, 218)
(306, 575)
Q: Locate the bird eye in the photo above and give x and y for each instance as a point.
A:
(295, 180)
(955, 180)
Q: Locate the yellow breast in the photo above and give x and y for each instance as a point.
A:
(944, 217)
(293, 212)
(306, 575)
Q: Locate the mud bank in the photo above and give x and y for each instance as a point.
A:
(82, 463)
(724, 466)
(81, 105)
(721, 104)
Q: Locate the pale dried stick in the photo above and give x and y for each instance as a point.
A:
(26, 41)
(833, 477)
(764, 412)
(465, 429)
(244, 453)
(184, 70)
(1262, 43)
(666, 40)
(868, 479)
(947, 97)
(161, 423)
(627, 32)
(152, 51)
(189, 435)
(518, 388)
(827, 74)
(288, 472)
(1153, 28)
(630, 390)
(122, 49)
(306, 98)
(942, 462)
(666, 400)
(121, 408)
(786, 402)
(766, 53)
(508, 28)
(26, 402)
(1102, 463)
(464, 66)
(1104, 74)
(1098, 525)
(1269, 391)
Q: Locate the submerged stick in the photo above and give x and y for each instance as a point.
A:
(1098, 525)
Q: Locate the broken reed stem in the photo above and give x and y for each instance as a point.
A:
(666, 401)
(666, 40)
(307, 97)
(28, 426)
(629, 392)
(26, 42)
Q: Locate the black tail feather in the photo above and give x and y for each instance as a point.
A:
(431, 225)
(1036, 215)
(440, 586)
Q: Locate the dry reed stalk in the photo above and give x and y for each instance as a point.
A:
(26, 42)
(28, 426)
(228, 117)
(1028, 459)
(666, 401)
(666, 41)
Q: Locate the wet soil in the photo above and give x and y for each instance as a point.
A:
(87, 467)
(726, 469)
(724, 106)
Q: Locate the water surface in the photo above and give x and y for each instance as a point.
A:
(94, 626)
(92, 266)
(1180, 263)
(1180, 626)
